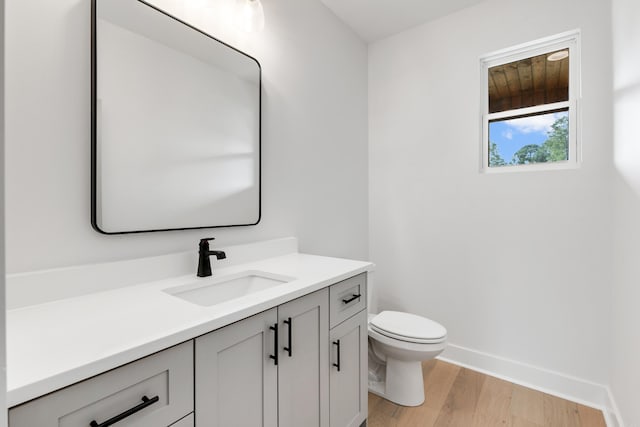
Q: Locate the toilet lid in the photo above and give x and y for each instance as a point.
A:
(408, 327)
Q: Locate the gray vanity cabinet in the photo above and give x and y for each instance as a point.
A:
(348, 376)
(244, 379)
(278, 368)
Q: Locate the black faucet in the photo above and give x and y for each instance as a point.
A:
(204, 263)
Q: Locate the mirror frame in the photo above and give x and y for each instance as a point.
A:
(94, 139)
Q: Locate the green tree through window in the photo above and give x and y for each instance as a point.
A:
(554, 149)
(557, 145)
(495, 159)
(531, 153)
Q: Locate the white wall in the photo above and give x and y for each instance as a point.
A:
(314, 134)
(515, 265)
(3, 344)
(625, 371)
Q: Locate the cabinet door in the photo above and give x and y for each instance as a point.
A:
(303, 372)
(348, 383)
(236, 380)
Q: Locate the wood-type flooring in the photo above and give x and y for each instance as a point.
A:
(459, 397)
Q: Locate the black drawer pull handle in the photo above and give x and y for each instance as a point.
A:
(353, 298)
(289, 323)
(274, 356)
(111, 421)
(337, 365)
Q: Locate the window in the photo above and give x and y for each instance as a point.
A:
(529, 106)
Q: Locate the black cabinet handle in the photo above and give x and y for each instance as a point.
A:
(274, 356)
(289, 323)
(111, 421)
(337, 365)
(353, 298)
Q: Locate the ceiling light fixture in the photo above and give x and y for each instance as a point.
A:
(250, 15)
(557, 56)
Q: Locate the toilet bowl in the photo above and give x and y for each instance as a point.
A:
(398, 344)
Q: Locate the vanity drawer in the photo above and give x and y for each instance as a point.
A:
(347, 298)
(156, 391)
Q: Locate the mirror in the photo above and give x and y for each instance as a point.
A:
(175, 124)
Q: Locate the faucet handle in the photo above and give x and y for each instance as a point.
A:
(204, 243)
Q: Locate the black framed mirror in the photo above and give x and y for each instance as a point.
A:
(176, 124)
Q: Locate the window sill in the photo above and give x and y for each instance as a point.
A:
(537, 167)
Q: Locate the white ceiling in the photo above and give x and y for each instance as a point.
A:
(376, 19)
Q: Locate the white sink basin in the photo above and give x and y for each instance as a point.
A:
(220, 289)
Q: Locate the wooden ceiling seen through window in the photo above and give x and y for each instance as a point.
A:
(529, 82)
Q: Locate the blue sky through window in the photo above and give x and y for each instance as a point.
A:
(510, 135)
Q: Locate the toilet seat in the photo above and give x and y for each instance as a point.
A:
(408, 327)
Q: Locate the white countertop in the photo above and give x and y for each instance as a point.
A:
(58, 343)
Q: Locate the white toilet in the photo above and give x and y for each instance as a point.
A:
(398, 344)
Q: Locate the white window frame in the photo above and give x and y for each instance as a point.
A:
(570, 40)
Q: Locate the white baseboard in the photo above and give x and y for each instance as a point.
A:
(555, 383)
(613, 417)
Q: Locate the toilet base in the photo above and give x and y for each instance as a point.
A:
(403, 383)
